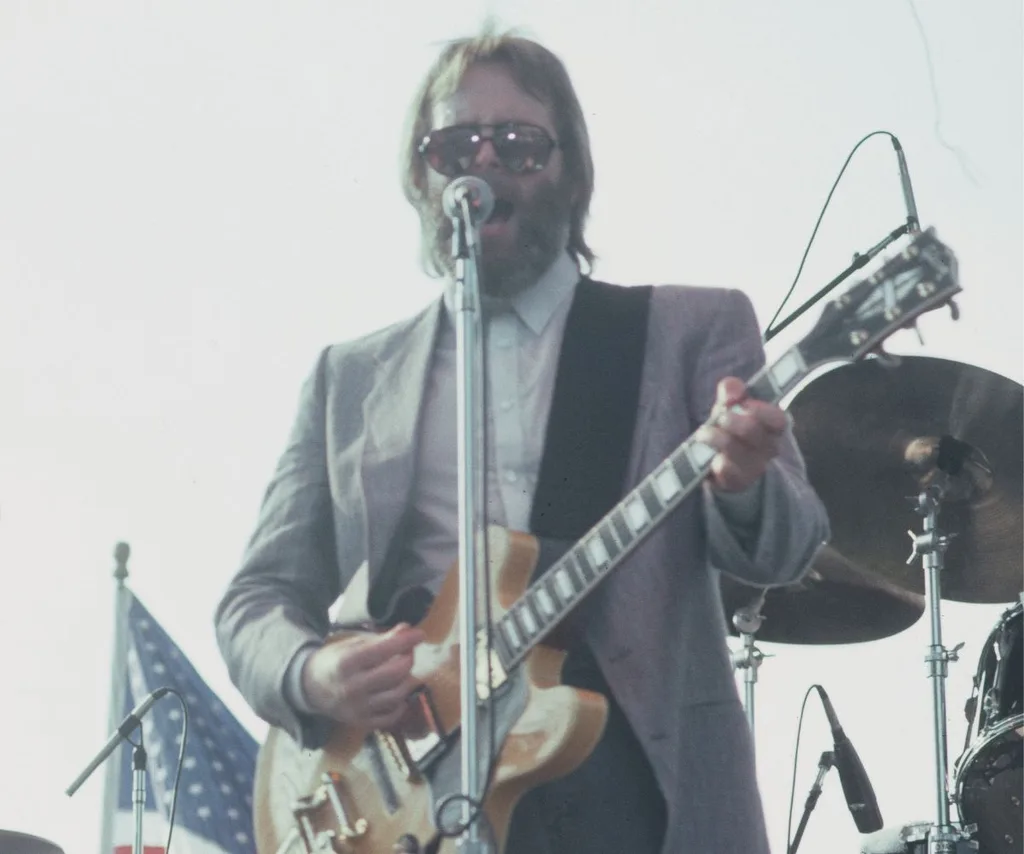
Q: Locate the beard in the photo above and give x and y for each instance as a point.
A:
(508, 267)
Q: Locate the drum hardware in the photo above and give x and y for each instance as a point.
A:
(908, 839)
(13, 842)
(950, 434)
(836, 602)
(989, 778)
(931, 546)
(747, 621)
(872, 434)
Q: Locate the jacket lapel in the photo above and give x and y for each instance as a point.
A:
(391, 413)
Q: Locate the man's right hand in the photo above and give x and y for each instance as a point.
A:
(363, 680)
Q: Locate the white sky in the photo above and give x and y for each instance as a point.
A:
(195, 197)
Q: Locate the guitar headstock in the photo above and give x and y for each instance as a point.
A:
(921, 278)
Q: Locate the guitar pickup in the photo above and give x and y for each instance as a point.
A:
(323, 822)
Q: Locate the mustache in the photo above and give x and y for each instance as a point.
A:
(543, 216)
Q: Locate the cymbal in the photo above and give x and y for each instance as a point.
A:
(13, 842)
(875, 435)
(835, 603)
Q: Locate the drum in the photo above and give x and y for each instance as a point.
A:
(988, 781)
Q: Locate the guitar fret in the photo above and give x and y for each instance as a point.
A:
(564, 585)
(511, 634)
(611, 539)
(578, 560)
(526, 619)
(499, 644)
(545, 603)
(787, 371)
(650, 498)
(684, 468)
(763, 388)
(667, 484)
(597, 551)
(551, 586)
(700, 455)
(636, 512)
(622, 532)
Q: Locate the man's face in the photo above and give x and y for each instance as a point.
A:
(530, 226)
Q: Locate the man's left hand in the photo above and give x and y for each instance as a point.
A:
(746, 439)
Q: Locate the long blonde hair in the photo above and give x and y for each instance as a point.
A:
(539, 73)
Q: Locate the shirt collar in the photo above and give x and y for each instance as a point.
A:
(537, 304)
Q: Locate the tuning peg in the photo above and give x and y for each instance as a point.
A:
(954, 309)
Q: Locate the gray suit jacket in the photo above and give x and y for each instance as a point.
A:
(656, 626)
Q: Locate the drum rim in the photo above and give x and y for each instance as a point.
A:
(981, 741)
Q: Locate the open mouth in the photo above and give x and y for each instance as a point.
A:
(503, 210)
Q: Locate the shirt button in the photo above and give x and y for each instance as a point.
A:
(506, 405)
(510, 476)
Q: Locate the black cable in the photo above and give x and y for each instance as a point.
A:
(796, 756)
(181, 758)
(177, 773)
(768, 330)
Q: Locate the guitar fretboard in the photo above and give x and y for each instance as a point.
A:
(551, 597)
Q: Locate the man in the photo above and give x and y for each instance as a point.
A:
(370, 476)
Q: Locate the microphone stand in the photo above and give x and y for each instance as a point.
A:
(826, 762)
(859, 261)
(471, 485)
(131, 722)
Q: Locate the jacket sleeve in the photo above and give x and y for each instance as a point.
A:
(791, 524)
(277, 603)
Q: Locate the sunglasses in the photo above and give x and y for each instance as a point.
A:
(519, 147)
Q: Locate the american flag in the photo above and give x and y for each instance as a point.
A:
(214, 811)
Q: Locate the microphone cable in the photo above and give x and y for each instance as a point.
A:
(769, 330)
(796, 756)
(181, 760)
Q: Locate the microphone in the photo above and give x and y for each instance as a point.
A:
(913, 223)
(475, 191)
(860, 796)
(136, 715)
(125, 729)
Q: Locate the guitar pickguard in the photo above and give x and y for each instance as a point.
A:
(442, 768)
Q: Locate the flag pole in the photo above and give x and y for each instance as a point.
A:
(118, 681)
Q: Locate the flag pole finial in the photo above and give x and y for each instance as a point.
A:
(121, 553)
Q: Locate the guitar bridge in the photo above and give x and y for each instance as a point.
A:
(323, 822)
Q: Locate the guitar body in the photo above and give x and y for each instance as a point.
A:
(544, 730)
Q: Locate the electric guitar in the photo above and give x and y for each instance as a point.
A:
(372, 792)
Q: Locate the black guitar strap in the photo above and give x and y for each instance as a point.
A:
(582, 476)
(593, 410)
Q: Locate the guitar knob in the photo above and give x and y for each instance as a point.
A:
(406, 844)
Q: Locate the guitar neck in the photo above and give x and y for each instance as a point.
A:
(565, 584)
(921, 278)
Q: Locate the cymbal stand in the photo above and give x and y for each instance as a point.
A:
(943, 837)
(747, 621)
